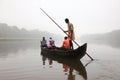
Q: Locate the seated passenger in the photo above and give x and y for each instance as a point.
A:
(48, 45)
(51, 42)
(66, 43)
(43, 42)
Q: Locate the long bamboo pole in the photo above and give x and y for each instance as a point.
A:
(65, 33)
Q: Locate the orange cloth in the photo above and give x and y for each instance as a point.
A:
(66, 44)
(66, 68)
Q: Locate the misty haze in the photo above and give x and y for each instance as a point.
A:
(20, 55)
(23, 25)
(13, 32)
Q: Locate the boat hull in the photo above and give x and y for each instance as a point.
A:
(78, 52)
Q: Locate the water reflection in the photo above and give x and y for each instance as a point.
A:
(13, 46)
(68, 65)
(71, 76)
(69, 70)
(88, 63)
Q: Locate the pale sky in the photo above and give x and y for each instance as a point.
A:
(87, 16)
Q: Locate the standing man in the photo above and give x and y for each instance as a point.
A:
(70, 31)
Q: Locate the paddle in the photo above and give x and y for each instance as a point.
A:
(65, 33)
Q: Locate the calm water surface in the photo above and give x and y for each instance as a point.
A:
(21, 60)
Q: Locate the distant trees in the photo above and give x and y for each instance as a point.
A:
(14, 32)
(111, 38)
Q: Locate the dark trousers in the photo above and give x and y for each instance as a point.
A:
(71, 45)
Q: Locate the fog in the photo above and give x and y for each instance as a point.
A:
(111, 38)
(14, 33)
(9, 33)
(87, 16)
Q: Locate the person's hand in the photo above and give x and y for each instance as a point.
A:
(64, 31)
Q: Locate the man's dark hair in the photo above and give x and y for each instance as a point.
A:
(50, 37)
(66, 20)
(65, 37)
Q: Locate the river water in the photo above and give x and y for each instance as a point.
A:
(21, 60)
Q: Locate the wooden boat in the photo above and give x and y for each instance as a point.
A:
(78, 52)
(73, 63)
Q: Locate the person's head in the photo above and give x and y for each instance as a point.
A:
(67, 20)
(50, 37)
(43, 38)
(65, 37)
